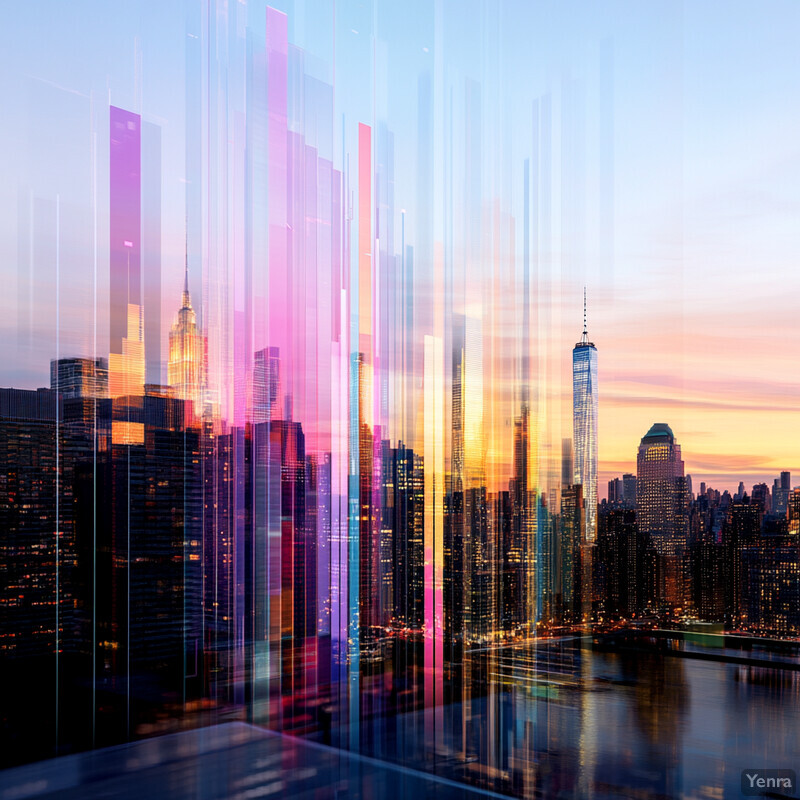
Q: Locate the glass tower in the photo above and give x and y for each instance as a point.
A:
(584, 423)
(661, 505)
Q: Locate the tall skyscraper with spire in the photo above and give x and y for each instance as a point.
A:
(584, 423)
(185, 367)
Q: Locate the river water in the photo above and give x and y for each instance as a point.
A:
(560, 720)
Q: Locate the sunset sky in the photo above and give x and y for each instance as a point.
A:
(693, 296)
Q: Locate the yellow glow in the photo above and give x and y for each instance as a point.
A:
(185, 365)
(472, 399)
(123, 432)
(126, 369)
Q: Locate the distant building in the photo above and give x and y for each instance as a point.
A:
(707, 561)
(520, 550)
(470, 583)
(661, 503)
(793, 512)
(761, 497)
(622, 491)
(404, 526)
(298, 564)
(567, 463)
(510, 584)
(626, 564)
(782, 488)
(770, 586)
(629, 490)
(266, 384)
(615, 492)
(742, 531)
(572, 523)
(79, 377)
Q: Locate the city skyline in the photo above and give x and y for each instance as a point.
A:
(740, 468)
(608, 470)
(325, 451)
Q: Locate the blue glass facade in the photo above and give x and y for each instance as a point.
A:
(584, 427)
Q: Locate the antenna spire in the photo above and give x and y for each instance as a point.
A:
(187, 301)
(585, 337)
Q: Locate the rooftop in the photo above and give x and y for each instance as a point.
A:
(659, 432)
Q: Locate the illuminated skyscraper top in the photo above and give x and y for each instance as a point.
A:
(185, 367)
(584, 423)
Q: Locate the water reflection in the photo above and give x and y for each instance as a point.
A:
(551, 719)
(556, 719)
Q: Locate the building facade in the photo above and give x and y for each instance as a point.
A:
(662, 508)
(584, 422)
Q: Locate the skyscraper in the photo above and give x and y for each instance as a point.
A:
(615, 492)
(569, 577)
(266, 384)
(793, 512)
(79, 377)
(184, 371)
(629, 490)
(780, 493)
(761, 497)
(567, 463)
(584, 421)
(149, 545)
(625, 557)
(36, 531)
(660, 504)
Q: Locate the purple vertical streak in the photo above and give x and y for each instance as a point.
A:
(277, 304)
(277, 57)
(345, 400)
(295, 301)
(242, 305)
(314, 301)
(339, 411)
(324, 386)
(125, 211)
(151, 251)
(312, 376)
(257, 201)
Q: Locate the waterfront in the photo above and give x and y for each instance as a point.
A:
(558, 719)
